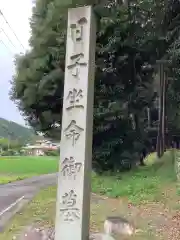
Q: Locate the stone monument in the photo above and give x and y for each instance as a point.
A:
(74, 180)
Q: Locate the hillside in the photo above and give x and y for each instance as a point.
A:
(9, 129)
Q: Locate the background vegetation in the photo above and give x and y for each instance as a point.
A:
(149, 193)
(15, 132)
(131, 37)
(14, 168)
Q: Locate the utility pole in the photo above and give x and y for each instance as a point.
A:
(162, 69)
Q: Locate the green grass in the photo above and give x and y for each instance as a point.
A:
(41, 213)
(4, 179)
(145, 187)
(28, 165)
(140, 185)
(40, 210)
(18, 168)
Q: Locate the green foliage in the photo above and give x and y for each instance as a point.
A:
(4, 179)
(10, 152)
(144, 184)
(15, 132)
(129, 41)
(174, 73)
(52, 153)
(9, 146)
(124, 86)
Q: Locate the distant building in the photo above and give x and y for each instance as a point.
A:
(40, 147)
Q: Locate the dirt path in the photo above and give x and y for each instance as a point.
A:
(155, 220)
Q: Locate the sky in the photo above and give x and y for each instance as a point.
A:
(17, 13)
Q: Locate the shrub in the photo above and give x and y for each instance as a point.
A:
(52, 153)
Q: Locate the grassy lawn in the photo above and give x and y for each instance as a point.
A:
(148, 196)
(4, 178)
(141, 185)
(17, 168)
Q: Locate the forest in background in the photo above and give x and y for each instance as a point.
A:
(131, 37)
(15, 131)
(13, 136)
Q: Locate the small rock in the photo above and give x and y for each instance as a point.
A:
(118, 225)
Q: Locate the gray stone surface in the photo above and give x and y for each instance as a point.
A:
(73, 202)
(118, 226)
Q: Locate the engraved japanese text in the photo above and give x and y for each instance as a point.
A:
(70, 168)
(73, 132)
(74, 99)
(77, 30)
(76, 62)
(69, 210)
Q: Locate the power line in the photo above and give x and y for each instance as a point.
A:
(2, 30)
(1, 13)
(2, 42)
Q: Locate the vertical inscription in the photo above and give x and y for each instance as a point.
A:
(77, 30)
(77, 59)
(74, 99)
(73, 202)
(76, 62)
(73, 132)
(70, 168)
(69, 210)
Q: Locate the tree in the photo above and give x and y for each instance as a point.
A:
(130, 39)
(121, 91)
(37, 87)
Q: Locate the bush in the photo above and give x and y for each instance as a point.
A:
(10, 152)
(52, 153)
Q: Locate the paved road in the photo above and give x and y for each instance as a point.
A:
(21, 191)
(14, 196)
